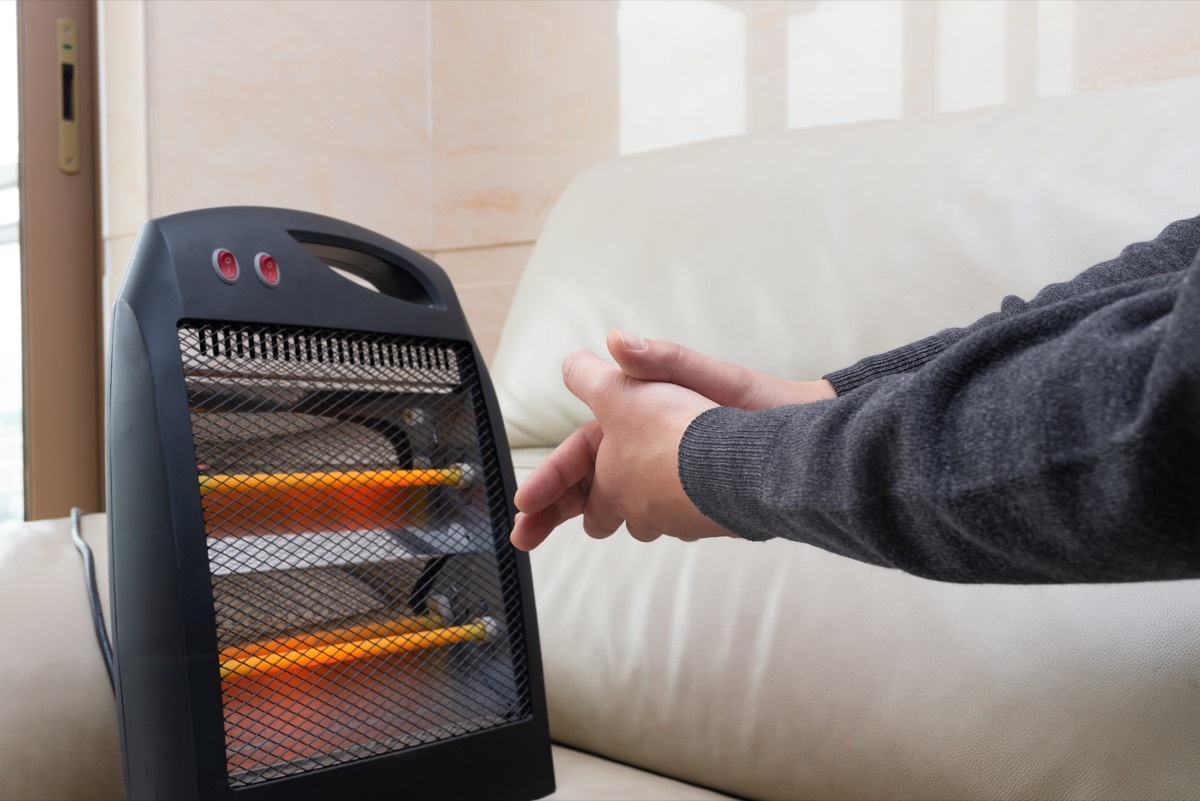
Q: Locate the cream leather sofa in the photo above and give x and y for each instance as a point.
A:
(778, 671)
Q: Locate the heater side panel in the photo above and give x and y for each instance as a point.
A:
(153, 689)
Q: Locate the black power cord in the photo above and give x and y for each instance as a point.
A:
(89, 578)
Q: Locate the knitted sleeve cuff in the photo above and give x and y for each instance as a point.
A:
(719, 458)
(900, 360)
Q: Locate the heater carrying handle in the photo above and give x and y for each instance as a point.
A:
(386, 274)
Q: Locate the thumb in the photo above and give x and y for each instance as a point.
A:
(725, 383)
(643, 359)
(590, 378)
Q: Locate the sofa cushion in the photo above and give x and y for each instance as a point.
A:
(798, 253)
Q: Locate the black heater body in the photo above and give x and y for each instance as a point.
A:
(313, 594)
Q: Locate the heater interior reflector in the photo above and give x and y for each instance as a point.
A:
(352, 504)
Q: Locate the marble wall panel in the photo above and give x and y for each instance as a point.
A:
(124, 200)
(320, 106)
(1122, 42)
(486, 307)
(124, 177)
(483, 265)
(485, 279)
(524, 98)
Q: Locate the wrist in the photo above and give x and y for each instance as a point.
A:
(809, 391)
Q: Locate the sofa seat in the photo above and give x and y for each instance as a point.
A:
(585, 777)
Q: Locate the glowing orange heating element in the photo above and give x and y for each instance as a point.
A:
(350, 479)
(286, 503)
(384, 628)
(247, 664)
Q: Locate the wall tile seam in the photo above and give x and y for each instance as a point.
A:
(431, 206)
(484, 284)
(103, 140)
(147, 95)
(432, 252)
(143, 96)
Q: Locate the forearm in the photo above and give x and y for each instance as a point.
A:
(1061, 447)
(1170, 251)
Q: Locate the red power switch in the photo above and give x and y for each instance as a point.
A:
(225, 263)
(267, 268)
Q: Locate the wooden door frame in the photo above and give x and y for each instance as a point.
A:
(60, 268)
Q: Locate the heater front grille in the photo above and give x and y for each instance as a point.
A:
(352, 503)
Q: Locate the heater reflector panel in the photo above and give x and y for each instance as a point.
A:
(352, 505)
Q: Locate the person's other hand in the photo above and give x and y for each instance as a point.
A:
(620, 468)
(724, 383)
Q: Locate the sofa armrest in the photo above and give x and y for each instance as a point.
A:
(58, 719)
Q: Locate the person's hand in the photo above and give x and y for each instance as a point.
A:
(560, 488)
(620, 468)
(724, 383)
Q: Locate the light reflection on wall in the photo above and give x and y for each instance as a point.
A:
(683, 72)
(970, 54)
(845, 63)
(686, 64)
(1055, 47)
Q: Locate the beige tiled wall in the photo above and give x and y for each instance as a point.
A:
(1120, 43)
(453, 125)
(485, 279)
(502, 154)
(320, 106)
(124, 192)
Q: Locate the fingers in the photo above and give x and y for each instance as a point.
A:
(570, 463)
(642, 534)
(556, 489)
(530, 531)
(724, 383)
(591, 379)
(600, 518)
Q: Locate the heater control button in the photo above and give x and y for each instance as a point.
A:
(225, 263)
(267, 268)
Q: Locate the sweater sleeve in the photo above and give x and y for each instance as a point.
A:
(1171, 250)
(1058, 445)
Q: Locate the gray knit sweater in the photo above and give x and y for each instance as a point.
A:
(1057, 440)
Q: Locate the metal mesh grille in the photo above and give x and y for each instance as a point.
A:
(352, 502)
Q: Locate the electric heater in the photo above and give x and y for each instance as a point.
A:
(313, 594)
